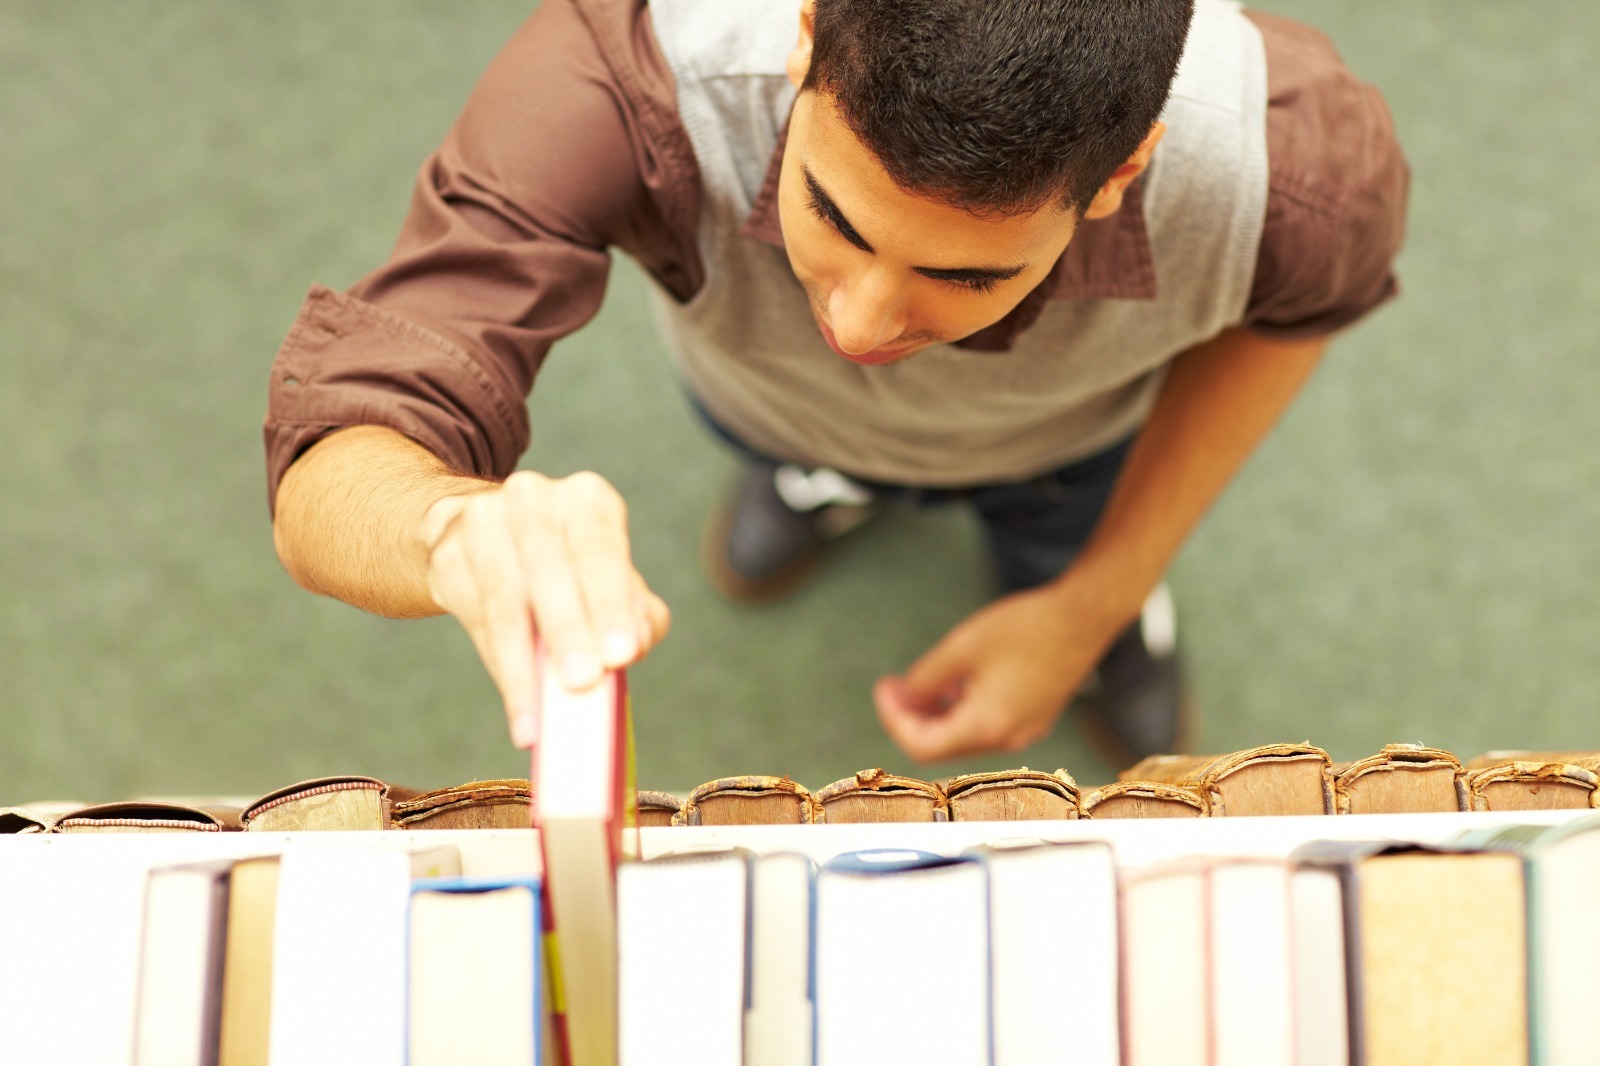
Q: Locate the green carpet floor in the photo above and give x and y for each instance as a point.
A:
(1411, 557)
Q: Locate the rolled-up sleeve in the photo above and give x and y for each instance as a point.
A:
(1337, 190)
(568, 146)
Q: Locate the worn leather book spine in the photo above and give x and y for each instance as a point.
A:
(18, 820)
(1142, 799)
(876, 796)
(655, 809)
(1012, 796)
(1401, 779)
(1586, 760)
(750, 800)
(148, 817)
(327, 803)
(1534, 786)
(497, 804)
(1273, 779)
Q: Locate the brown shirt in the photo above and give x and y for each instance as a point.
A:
(571, 144)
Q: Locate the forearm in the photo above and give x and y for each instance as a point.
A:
(349, 519)
(1218, 401)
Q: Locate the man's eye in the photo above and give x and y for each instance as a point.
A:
(978, 284)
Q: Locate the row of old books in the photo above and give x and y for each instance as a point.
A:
(1278, 779)
(1467, 938)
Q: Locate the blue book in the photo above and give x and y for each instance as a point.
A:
(901, 959)
(474, 987)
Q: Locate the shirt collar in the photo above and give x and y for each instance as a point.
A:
(1107, 259)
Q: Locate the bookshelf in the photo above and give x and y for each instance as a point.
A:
(69, 947)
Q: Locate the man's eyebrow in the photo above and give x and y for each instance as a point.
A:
(823, 205)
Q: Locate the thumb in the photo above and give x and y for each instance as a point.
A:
(935, 680)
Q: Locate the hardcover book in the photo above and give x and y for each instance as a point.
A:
(1562, 869)
(1164, 1007)
(1012, 796)
(23, 820)
(780, 1015)
(148, 816)
(876, 796)
(497, 804)
(682, 918)
(1142, 799)
(902, 960)
(656, 808)
(178, 1016)
(1533, 785)
(473, 972)
(1274, 779)
(1052, 924)
(1401, 779)
(751, 800)
(583, 797)
(326, 803)
(1436, 952)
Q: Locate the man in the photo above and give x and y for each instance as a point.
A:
(944, 249)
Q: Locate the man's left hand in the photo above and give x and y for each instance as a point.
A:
(997, 681)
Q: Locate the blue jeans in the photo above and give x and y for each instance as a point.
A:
(1033, 529)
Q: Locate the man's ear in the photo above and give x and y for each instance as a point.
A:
(800, 56)
(1109, 199)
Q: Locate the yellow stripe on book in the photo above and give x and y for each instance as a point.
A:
(552, 967)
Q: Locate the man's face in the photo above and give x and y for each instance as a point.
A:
(889, 273)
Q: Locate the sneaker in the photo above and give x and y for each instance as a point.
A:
(771, 533)
(1137, 703)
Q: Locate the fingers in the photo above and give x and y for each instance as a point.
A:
(932, 732)
(549, 559)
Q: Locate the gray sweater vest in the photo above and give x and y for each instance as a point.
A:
(1083, 377)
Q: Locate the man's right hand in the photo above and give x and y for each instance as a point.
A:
(547, 560)
(372, 518)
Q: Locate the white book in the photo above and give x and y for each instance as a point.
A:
(581, 805)
(902, 960)
(69, 952)
(1252, 970)
(473, 973)
(1164, 965)
(1053, 940)
(180, 965)
(339, 957)
(681, 925)
(1322, 1020)
(779, 1015)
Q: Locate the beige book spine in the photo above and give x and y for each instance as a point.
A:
(878, 796)
(1273, 779)
(1534, 786)
(326, 803)
(1142, 799)
(141, 817)
(15, 821)
(1586, 760)
(655, 809)
(1012, 796)
(496, 804)
(749, 800)
(1401, 779)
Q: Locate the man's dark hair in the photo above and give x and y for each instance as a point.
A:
(997, 106)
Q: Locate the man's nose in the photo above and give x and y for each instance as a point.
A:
(866, 312)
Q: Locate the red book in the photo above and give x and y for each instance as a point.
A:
(582, 804)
